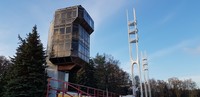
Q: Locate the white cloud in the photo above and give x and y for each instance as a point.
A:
(169, 50)
(184, 46)
(172, 13)
(194, 50)
(100, 10)
(167, 18)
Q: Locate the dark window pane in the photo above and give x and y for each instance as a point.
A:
(75, 28)
(62, 30)
(62, 21)
(69, 14)
(55, 30)
(68, 29)
(74, 14)
(57, 17)
(75, 31)
(80, 13)
(63, 15)
(75, 45)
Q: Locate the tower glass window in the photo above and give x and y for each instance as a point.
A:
(72, 27)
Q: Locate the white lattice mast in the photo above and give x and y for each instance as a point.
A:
(146, 74)
(133, 42)
(144, 65)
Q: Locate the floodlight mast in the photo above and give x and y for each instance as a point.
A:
(133, 39)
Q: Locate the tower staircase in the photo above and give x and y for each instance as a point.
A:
(59, 88)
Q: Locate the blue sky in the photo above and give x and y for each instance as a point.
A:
(169, 30)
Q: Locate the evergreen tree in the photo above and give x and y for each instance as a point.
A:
(100, 73)
(109, 76)
(4, 66)
(27, 78)
(103, 72)
(85, 76)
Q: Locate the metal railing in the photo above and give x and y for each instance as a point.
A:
(67, 89)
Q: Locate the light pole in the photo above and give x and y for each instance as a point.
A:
(133, 39)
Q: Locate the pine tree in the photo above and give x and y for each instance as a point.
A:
(4, 66)
(85, 76)
(109, 76)
(27, 78)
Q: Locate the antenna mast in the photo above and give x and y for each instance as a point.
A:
(146, 74)
(133, 41)
(144, 68)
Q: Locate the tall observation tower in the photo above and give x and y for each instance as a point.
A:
(69, 41)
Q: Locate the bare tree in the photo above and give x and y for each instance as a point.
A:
(176, 85)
